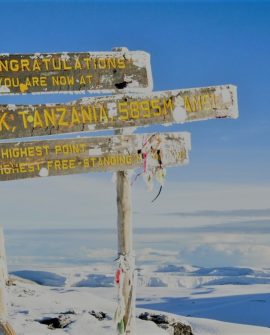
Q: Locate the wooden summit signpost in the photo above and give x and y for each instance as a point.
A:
(127, 73)
(118, 111)
(91, 154)
(113, 71)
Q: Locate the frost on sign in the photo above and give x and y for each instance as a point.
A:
(119, 111)
(90, 154)
(116, 71)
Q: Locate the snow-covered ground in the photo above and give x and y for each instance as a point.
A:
(70, 273)
(220, 301)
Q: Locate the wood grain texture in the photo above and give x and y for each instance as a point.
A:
(91, 154)
(114, 71)
(6, 329)
(119, 111)
(125, 247)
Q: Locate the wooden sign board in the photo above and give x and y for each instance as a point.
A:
(115, 71)
(119, 111)
(91, 154)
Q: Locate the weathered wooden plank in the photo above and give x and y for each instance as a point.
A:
(119, 111)
(91, 154)
(115, 71)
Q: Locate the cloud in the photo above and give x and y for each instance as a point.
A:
(205, 249)
(262, 212)
(236, 253)
(89, 201)
(149, 255)
(102, 254)
(259, 226)
(58, 202)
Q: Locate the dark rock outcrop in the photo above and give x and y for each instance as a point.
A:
(99, 315)
(165, 322)
(62, 321)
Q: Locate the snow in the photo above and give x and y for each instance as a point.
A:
(93, 280)
(95, 151)
(210, 327)
(32, 302)
(4, 89)
(44, 172)
(141, 59)
(11, 107)
(179, 112)
(112, 109)
(42, 277)
(218, 301)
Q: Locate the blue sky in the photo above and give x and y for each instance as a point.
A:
(192, 44)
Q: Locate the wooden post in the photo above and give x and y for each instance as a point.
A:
(125, 245)
(3, 259)
(125, 240)
(5, 327)
(3, 277)
(124, 206)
